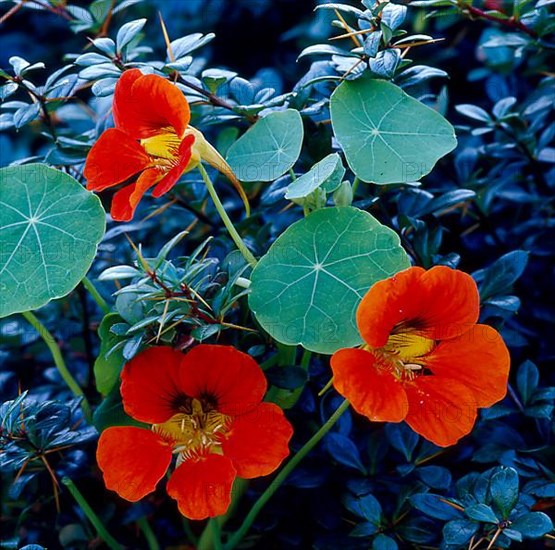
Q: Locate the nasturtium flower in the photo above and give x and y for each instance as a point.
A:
(425, 360)
(204, 407)
(152, 144)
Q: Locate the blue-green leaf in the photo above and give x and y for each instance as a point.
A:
(435, 506)
(533, 525)
(128, 32)
(286, 377)
(459, 531)
(504, 489)
(481, 512)
(366, 507)
(50, 228)
(306, 289)
(383, 542)
(327, 173)
(344, 451)
(388, 136)
(268, 149)
(503, 273)
(527, 380)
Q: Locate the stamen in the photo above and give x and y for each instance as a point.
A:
(163, 149)
(404, 355)
(196, 433)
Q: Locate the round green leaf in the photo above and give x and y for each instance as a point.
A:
(388, 136)
(268, 149)
(327, 173)
(49, 230)
(306, 289)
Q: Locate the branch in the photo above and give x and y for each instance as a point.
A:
(215, 100)
(511, 23)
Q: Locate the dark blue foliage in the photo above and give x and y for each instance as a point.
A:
(487, 209)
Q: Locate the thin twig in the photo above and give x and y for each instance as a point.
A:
(511, 23)
(104, 29)
(12, 11)
(60, 10)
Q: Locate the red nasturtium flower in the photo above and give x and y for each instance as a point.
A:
(206, 408)
(152, 144)
(425, 361)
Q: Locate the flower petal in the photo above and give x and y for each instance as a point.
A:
(114, 158)
(171, 178)
(202, 487)
(122, 111)
(371, 390)
(479, 359)
(125, 201)
(440, 409)
(225, 374)
(257, 442)
(150, 384)
(145, 105)
(439, 303)
(133, 460)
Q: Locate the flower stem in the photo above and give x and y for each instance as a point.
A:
(216, 534)
(147, 531)
(54, 348)
(282, 476)
(92, 517)
(191, 537)
(93, 291)
(247, 254)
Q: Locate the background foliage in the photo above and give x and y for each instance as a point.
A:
(486, 208)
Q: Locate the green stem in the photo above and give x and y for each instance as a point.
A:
(282, 476)
(216, 534)
(356, 183)
(191, 537)
(247, 254)
(305, 359)
(270, 362)
(287, 355)
(59, 361)
(147, 531)
(102, 304)
(92, 517)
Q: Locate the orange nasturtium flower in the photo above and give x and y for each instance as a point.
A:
(206, 408)
(425, 360)
(151, 145)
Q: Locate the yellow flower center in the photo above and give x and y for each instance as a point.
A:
(404, 353)
(163, 146)
(195, 432)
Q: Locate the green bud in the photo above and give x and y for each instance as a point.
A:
(343, 195)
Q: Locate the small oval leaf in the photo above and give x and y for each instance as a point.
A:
(327, 173)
